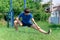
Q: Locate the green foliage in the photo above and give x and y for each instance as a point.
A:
(4, 5)
(0, 17)
(18, 6)
(37, 17)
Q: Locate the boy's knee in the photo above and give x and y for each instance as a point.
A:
(38, 28)
(15, 21)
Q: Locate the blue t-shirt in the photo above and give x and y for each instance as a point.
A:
(26, 18)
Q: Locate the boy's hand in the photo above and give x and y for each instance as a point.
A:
(21, 24)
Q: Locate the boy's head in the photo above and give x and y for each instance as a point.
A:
(26, 10)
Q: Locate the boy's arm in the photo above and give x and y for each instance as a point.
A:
(34, 21)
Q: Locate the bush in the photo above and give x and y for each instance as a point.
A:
(1, 17)
(18, 7)
(41, 16)
(37, 17)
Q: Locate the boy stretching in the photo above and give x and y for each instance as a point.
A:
(28, 20)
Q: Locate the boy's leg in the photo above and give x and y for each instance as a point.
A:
(17, 22)
(39, 29)
(15, 25)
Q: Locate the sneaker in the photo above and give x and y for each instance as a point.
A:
(49, 31)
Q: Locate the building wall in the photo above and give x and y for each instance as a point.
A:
(55, 15)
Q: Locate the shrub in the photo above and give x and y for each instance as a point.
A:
(37, 17)
(1, 17)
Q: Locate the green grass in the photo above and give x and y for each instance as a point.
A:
(25, 33)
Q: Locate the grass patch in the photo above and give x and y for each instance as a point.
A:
(25, 33)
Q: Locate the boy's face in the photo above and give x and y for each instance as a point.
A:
(26, 13)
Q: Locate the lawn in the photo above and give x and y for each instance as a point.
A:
(25, 33)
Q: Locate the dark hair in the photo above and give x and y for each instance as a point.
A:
(26, 10)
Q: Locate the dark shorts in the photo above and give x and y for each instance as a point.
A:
(28, 24)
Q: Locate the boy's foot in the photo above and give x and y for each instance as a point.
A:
(49, 31)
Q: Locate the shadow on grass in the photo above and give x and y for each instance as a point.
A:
(54, 26)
